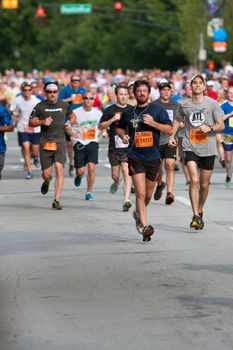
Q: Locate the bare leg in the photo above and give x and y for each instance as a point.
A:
(205, 176)
(127, 180)
(194, 186)
(170, 173)
(90, 177)
(59, 180)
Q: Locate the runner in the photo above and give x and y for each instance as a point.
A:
(84, 136)
(227, 135)
(168, 153)
(117, 149)
(6, 125)
(51, 115)
(73, 95)
(28, 137)
(202, 118)
(141, 126)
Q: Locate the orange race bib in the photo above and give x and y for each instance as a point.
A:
(78, 99)
(143, 139)
(50, 146)
(88, 134)
(197, 137)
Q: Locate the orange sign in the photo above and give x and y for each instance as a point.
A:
(10, 4)
(197, 137)
(143, 139)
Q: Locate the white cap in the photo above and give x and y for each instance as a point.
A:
(130, 83)
(210, 83)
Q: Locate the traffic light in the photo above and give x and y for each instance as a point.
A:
(40, 12)
(118, 7)
(10, 4)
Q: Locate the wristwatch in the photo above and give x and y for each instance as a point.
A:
(211, 128)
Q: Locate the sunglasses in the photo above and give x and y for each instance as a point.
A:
(88, 98)
(75, 80)
(27, 90)
(52, 91)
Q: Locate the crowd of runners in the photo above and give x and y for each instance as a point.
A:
(155, 121)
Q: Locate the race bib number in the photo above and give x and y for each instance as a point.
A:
(119, 143)
(77, 99)
(143, 139)
(50, 146)
(197, 137)
(88, 134)
(170, 114)
(231, 122)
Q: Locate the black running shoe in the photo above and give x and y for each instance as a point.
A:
(56, 205)
(45, 186)
(159, 191)
(197, 223)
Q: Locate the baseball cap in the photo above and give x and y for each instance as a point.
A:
(210, 83)
(164, 84)
(130, 83)
(197, 76)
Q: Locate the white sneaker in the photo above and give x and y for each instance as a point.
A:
(127, 205)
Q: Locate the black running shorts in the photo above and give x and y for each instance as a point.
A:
(117, 157)
(85, 154)
(150, 168)
(205, 163)
(48, 158)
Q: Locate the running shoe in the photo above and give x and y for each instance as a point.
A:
(127, 205)
(71, 170)
(159, 191)
(56, 205)
(114, 187)
(89, 196)
(138, 224)
(222, 162)
(36, 162)
(197, 222)
(132, 190)
(228, 181)
(28, 175)
(77, 180)
(169, 198)
(45, 186)
(147, 232)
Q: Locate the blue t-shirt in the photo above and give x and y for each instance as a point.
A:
(67, 92)
(227, 108)
(5, 119)
(144, 139)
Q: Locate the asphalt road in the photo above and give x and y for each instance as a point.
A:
(82, 279)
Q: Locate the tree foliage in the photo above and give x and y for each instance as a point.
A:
(167, 38)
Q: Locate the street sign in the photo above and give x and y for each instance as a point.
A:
(75, 9)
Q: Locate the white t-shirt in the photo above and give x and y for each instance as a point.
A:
(22, 109)
(86, 125)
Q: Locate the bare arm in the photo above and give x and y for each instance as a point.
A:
(107, 123)
(176, 125)
(218, 126)
(7, 128)
(165, 128)
(121, 133)
(34, 122)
